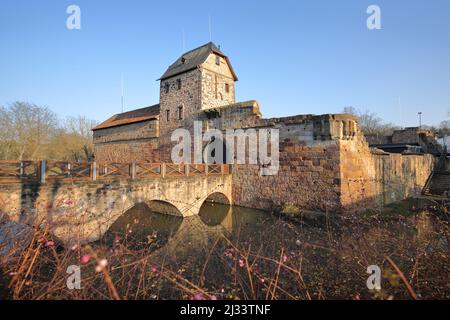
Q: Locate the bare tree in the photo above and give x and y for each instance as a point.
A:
(444, 131)
(31, 132)
(370, 123)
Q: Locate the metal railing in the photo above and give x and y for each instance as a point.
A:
(48, 171)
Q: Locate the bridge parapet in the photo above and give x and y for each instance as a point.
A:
(45, 171)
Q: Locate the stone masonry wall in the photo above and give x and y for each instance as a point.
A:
(308, 178)
(188, 97)
(146, 150)
(134, 131)
(215, 78)
(371, 177)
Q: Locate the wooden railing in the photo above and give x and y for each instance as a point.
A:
(43, 171)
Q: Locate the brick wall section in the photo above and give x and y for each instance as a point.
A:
(307, 177)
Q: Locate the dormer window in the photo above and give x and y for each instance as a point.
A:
(166, 88)
(218, 60)
(183, 60)
(179, 84)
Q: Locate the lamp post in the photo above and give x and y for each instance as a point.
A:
(420, 119)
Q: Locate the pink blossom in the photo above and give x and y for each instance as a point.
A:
(213, 297)
(103, 263)
(85, 259)
(241, 263)
(74, 247)
(285, 258)
(50, 243)
(12, 273)
(154, 270)
(261, 280)
(197, 296)
(357, 297)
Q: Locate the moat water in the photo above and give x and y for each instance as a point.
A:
(140, 227)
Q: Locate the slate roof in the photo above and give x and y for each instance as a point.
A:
(193, 59)
(128, 117)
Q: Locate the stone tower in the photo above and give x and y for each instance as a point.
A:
(198, 80)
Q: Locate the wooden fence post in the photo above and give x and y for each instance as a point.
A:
(94, 171)
(133, 169)
(186, 170)
(43, 171)
(206, 169)
(163, 169)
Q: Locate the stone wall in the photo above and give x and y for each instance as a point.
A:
(326, 164)
(134, 131)
(188, 97)
(125, 143)
(308, 177)
(215, 80)
(145, 150)
(371, 177)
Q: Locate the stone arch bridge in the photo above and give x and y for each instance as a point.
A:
(81, 201)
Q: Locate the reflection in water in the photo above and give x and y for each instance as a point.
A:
(140, 227)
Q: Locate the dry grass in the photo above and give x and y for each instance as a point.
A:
(289, 260)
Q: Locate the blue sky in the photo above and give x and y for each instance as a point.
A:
(294, 57)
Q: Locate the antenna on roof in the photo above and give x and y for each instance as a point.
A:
(401, 113)
(121, 89)
(210, 32)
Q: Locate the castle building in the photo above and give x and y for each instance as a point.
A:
(199, 81)
(324, 160)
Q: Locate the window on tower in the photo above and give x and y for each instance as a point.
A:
(218, 60)
(167, 115)
(227, 88)
(180, 113)
(166, 88)
(179, 84)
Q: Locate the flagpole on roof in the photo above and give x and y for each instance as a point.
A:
(210, 32)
